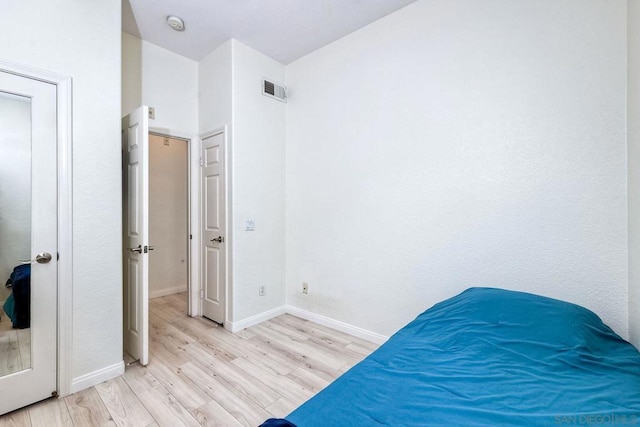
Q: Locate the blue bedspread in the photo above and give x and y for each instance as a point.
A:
(489, 357)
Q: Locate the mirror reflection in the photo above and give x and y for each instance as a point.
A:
(15, 233)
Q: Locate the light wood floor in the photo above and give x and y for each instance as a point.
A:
(15, 346)
(201, 374)
(15, 351)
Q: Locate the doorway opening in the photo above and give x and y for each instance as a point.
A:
(157, 230)
(169, 213)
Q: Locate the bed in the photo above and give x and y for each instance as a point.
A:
(488, 357)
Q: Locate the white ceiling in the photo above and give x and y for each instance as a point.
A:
(284, 30)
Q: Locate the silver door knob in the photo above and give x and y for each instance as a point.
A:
(41, 258)
(219, 239)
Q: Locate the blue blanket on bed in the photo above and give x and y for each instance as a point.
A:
(489, 357)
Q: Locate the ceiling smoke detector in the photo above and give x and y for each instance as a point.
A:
(175, 23)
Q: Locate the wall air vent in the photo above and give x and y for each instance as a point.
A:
(274, 90)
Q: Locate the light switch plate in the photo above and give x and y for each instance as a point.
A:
(249, 225)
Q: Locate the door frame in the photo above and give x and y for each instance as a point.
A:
(228, 233)
(65, 214)
(193, 286)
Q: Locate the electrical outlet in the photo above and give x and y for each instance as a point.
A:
(261, 290)
(305, 288)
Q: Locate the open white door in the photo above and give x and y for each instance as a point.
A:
(213, 227)
(28, 236)
(135, 179)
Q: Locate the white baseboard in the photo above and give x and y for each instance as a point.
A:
(96, 377)
(167, 291)
(307, 315)
(254, 320)
(337, 325)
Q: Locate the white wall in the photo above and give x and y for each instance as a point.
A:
(132, 76)
(168, 226)
(215, 78)
(15, 186)
(82, 40)
(458, 144)
(258, 184)
(633, 141)
(256, 139)
(161, 79)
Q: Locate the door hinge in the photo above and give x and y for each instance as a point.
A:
(190, 236)
(201, 293)
(201, 161)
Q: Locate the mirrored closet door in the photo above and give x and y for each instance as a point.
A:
(28, 240)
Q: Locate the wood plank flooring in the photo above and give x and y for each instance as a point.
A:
(201, 374)
(15, 347)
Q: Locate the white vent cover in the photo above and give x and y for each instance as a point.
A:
(274, 90)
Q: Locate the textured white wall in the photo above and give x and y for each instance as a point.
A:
(82, 40)
(458, 144)
(215, 89)
(161, 79)
(258, 184)
(131, 66)
(15, 186)
(230, 94)
(633, 141)
(168, 227)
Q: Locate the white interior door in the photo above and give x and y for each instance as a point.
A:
(213, 226)
(28, 230)
(135, 178)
